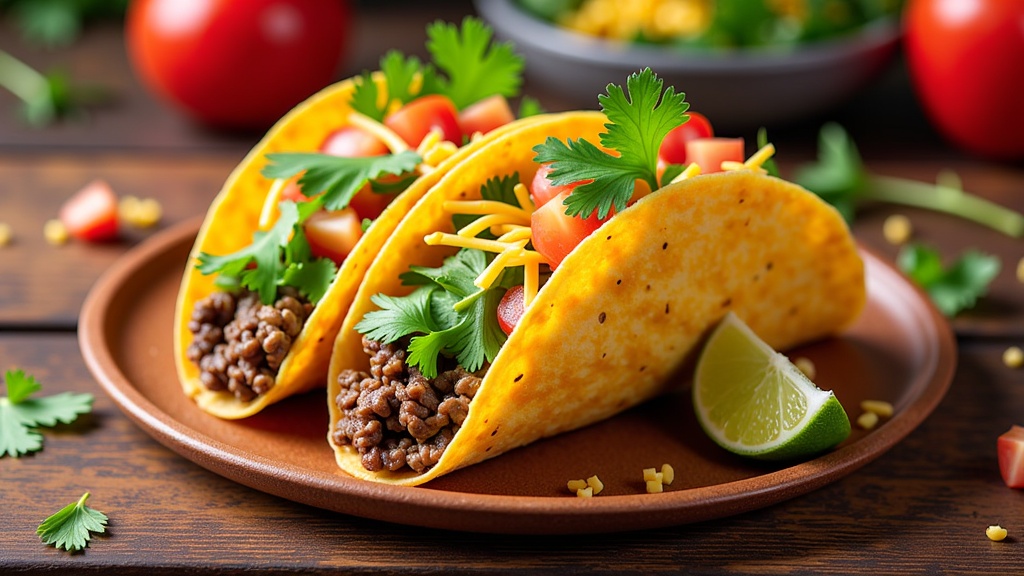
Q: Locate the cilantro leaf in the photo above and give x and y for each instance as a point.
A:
(398, 316)
(337, 177)
(952, 289)
(72, 526)
(20, 415)
(638, 124)
(529, 107)
(311, 278)
(399, 73)
(366, 96)
(475, 67)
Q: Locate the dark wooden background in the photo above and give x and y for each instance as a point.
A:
(922, 508)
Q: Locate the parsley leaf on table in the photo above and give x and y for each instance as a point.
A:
(20, 415)
(72, 526)
(638, 124)
(475, 67)
(952, 289)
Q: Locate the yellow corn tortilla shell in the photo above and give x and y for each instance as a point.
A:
(631, 304)
(233, 217)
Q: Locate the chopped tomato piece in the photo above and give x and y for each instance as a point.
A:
(555, 233)
(1010, 449)
(333, 234)
(91, 214)
(369, 204)
(511, 309)
(352, 142)
(542, 188)
(673, 147)
(486, 115)
(417, 118)
(293, 192)
(709, 153)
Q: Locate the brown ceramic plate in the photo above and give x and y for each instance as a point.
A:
(900, 350)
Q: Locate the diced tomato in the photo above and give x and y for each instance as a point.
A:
(333, 234)
(555, 233)
(352, 142)
(511, 309)
(91, 214)
(673, 147)
(542, 188)
(417, 118)
(709, 153)
(486, 115)
(293, 192)
(1010, 448)
(369, 204)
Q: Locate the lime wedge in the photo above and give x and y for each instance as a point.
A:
(754, 402)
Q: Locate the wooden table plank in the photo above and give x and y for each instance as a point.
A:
(921, 508)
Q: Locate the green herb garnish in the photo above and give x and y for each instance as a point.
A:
(21, 416)
(840, 179)
(45, 97)
(952, 288)
(638, 124)
(72, 526)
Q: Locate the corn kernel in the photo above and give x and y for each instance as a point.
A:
(655, 486)
(668, 474)
(897, 229)
(1013, 357)
(575, 485)
(650, 474)
(1020, 270)
(806, 365)
(587, 492)
(995, 533)
(880, 407)
(867, 420)
(595, 483)
(6, 234)
(55, 232)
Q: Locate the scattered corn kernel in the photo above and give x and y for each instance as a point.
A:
(5, 234)
(880, 407)
(655, 486)
(1020, 270)
(867, 420)
(575, 485)
(897, 229)
(595, 483)
(55, 232)
(806, 365)
(143, 213)
(995, 533)
(668, 474)
(650, 474)
(587, 492)
(1013, 357)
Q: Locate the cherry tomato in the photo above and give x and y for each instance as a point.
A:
(965, 61)
(542, 188)
(555, 233)
(352, 142)
(709, 153)
(417, 118)
(91, 214)
(511, 309)
(236, 63)
(673, 147)
(333, 234)
(1010, 450)
(485, 115)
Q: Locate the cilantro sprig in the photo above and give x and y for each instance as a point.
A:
(72, 526)
(21, 416)
(953, 288)
(637, 125)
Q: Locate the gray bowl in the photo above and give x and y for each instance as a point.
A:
(737, 90)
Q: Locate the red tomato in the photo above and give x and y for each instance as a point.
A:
(555, 233)
(965, 61)
(673, 147)
(91, 214)
(485, 115)
(511, 309)
(369, 204)
(542, 188)
(352, 142)
(236, 63)
(293, 192)
(709, 153)
(1010, 448)
(417, 118)
(333, 234)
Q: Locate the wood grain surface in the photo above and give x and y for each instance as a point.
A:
(922, 508)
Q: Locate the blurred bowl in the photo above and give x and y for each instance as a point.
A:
(738, 89)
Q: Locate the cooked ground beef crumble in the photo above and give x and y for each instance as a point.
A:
(239, 343)
(394, 416)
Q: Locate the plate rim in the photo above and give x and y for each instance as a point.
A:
(475, 512)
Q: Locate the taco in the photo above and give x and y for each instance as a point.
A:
(287, 240)
(423, 380)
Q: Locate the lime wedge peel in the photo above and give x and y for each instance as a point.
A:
(752, 401)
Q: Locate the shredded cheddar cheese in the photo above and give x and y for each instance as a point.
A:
(692, 170)
(389, 137)
(269, 212)
(755, 162)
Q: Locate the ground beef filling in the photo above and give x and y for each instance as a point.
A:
(239, 343)
(394, 416)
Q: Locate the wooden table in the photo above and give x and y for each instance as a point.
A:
(920, 508)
